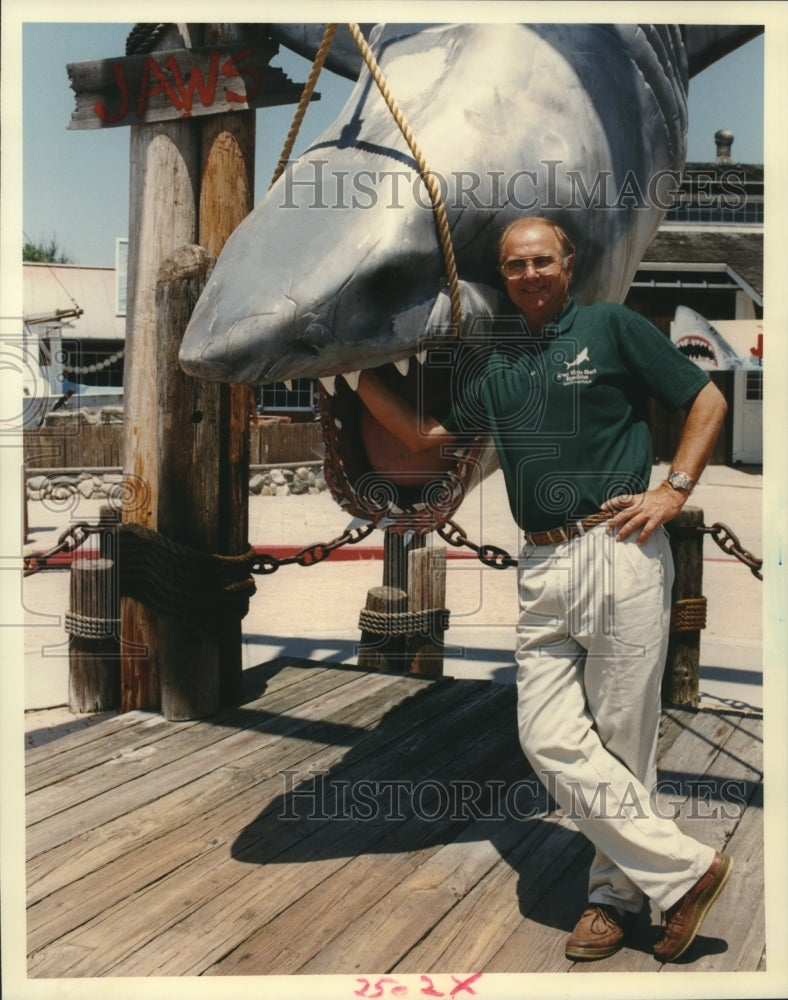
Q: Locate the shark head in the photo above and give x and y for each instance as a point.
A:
(339, 268)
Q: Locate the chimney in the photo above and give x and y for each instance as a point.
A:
(724, 140)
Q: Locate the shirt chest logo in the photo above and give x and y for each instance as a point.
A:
(578, 370)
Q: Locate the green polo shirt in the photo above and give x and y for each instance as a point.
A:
(568, 410)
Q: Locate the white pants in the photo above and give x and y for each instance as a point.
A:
(591, 646)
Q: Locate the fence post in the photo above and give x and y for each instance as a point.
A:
(378, 651)
(426, 592)
(93, 644)
(681, 681)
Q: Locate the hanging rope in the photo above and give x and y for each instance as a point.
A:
(433, 188)
(441, 219)
(303, 104)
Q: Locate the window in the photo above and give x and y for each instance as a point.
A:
(753, 387)
(278, 397)
(93, 362)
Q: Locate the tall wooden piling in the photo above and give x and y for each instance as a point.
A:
(681, 681)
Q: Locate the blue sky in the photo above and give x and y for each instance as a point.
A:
(75, 183)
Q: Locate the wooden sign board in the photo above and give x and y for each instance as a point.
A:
(178, 83)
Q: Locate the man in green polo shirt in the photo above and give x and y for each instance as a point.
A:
(564, 397)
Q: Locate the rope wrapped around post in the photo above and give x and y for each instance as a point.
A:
(180, 582)
(428, 620)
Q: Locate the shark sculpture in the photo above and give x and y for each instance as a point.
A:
(339, 267)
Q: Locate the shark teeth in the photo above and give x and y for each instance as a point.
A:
(329, 382)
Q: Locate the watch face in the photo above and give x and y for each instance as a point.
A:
(680, 480)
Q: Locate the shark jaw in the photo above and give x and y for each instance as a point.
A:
(374, 477)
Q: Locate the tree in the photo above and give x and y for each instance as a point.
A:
(45, 253)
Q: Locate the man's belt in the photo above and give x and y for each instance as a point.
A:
(557, 535)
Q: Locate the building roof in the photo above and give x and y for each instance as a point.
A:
(741, 250)
(49, 288)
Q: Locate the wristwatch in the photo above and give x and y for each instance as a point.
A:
(680, 481)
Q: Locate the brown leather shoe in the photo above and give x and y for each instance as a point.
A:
(683, 919)
(599, 932)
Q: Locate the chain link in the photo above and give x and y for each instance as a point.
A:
(69, 541)
(731, 545)
(490, 555)
(267, 563)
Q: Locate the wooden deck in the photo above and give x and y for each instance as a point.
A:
(421, 840)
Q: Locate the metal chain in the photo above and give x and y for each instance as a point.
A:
(730, 544)
(450, 531)
(69, 541)
(490, 555)
(266, 563)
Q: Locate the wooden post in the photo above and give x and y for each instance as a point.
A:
(226, 198)
(164, 184)
(190, 507)
(681, 681)
(426, 591)
(93, 643)
(383, 652)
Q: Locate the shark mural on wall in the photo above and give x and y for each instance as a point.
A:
(339, 267)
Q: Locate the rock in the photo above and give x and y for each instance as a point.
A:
(85, 487)
(256, 484)
(282, 491)
(302, 473)
(277, 477)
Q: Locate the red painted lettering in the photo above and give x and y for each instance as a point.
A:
(233, 67)
(206, 89)
(100, 107)
(151, 69)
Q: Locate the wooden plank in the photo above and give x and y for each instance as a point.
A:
(206, 878)
(60, 812)
(128, 855)
(86, 748)
(553, 903)
(546, 847)
(129, 925)
(327, 850)
(303, 931)
(177, 84)
(215, 791)
(733, 937)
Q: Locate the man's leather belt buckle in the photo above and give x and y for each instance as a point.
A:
(555, 536)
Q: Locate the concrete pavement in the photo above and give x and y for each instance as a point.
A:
(313, 612)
